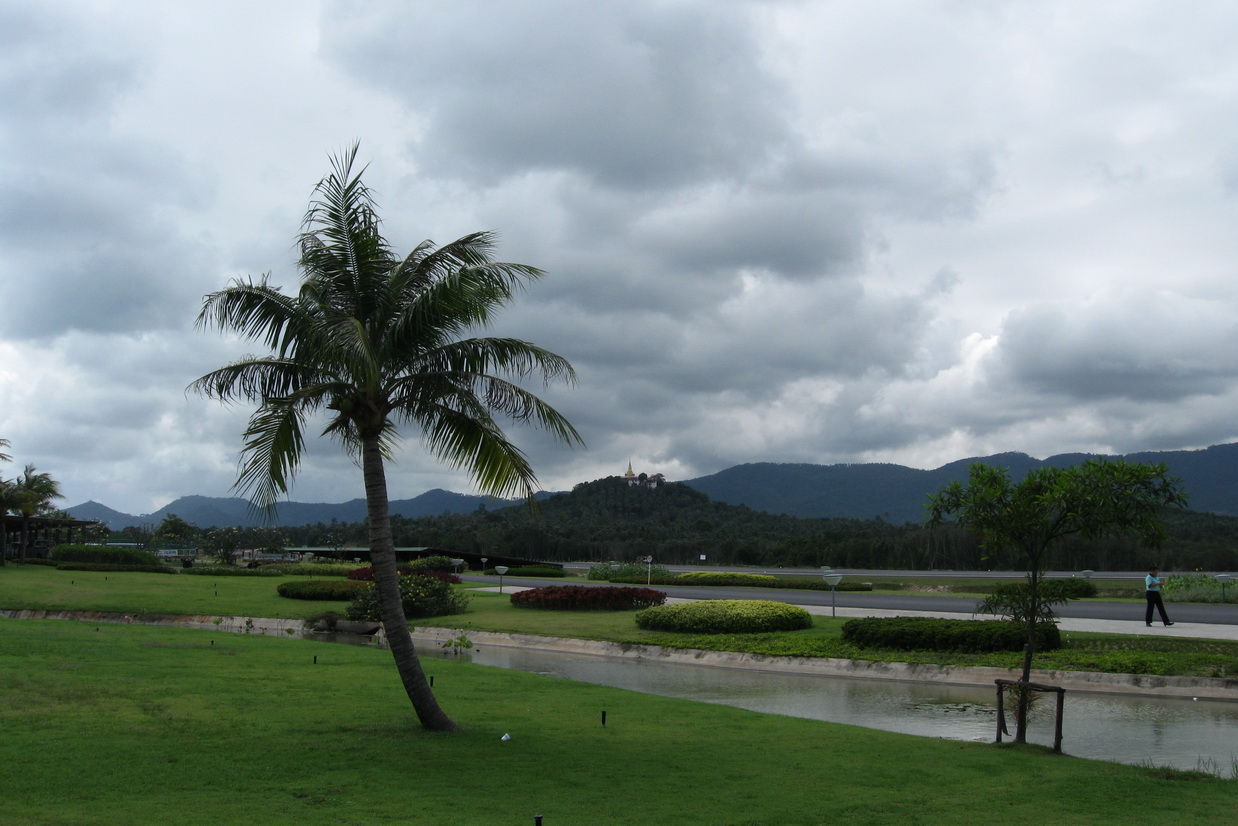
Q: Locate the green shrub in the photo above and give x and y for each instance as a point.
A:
(932, 634)
(724, 616)
(157, 568)
(423, 596)
(583, 598)
(337, 589)
(104, 554)
(1070, 588)
(1197, 588)
(727, 578)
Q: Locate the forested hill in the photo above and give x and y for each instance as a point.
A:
(610, 519)
(898, 494)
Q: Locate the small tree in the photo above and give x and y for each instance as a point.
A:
(1093, 499)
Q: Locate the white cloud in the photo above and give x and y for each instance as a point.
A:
(814, 232)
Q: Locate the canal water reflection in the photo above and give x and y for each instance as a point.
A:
(1184, 734)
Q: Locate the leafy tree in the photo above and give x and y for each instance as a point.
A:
(176, 530)
(1093, 499)
(35, 494)
(222, 544)
(377, 341)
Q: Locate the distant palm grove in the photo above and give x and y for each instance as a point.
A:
(608, 519)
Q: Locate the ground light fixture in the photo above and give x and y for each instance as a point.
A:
(500, 570)
(832, 578)
(1223, 578)
(456, 563)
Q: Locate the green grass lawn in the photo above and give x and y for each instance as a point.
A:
(42, 587)
(135, 724)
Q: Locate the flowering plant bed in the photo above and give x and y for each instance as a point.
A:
(583, 598)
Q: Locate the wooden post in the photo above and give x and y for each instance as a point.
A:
(1057, 731)
(1001, 710)
(1061, 706)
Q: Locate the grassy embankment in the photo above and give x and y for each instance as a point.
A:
(115, 724)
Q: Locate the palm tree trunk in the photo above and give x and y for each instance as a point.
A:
(390, 606)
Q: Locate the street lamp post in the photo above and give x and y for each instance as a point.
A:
(1223, 578)
(501, 569)
(832, 579)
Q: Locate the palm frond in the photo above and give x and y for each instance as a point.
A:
(272, 452)
(476, 443)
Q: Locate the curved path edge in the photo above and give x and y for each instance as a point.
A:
(1147, 684)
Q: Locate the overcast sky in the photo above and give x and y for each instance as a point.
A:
(823, 232)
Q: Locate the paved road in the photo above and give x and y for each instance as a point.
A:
(1190, 620)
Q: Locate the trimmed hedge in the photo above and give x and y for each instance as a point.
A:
(104, 554)
(727, 578)
(932, 634)
(584, 598)
(540, 571)
(803, 584)
(725, 616)
(325, 589)
(228, 570)
(430, 563)
(308, 568)
(104, 566)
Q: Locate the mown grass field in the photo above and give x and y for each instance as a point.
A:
(45, 588)
(126, 724)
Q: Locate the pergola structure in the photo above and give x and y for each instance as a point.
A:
(45, 533)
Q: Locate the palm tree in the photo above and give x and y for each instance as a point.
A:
(34, 495)
(376, 341)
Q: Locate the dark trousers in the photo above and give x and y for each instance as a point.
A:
(1154, 600)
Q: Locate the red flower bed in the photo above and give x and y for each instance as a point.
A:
(582, 598)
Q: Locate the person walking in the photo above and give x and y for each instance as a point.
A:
(1152, 590)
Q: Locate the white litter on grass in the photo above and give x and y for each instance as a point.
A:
(505, 737)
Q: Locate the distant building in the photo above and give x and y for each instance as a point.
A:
(643, 480)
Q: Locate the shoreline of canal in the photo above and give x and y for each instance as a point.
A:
(1086, 681)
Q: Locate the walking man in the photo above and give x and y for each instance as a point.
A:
(1152, 590)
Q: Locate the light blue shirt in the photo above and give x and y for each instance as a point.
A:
(1152, 583)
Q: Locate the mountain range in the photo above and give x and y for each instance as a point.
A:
(892, 492)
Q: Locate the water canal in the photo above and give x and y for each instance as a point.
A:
(1184, 734)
